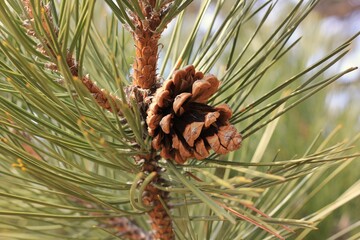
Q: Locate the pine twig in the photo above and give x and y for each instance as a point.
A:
(161, 222)
(100, 95)
(122, 227)
(146, 37)
(126, 229)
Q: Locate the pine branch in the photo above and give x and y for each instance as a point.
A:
(126, 229)
(122, 226)
(154, 199)
(64, 158)
(149, 18)
(146, 20)
(105, 100)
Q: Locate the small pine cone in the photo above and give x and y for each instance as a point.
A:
(182, 125)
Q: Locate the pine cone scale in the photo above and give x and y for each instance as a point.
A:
(203, 89)
(165, 123)
(211, 118)
(201, 151)
(213, 142)
(192, 132)
(179, 101)
(163, 99)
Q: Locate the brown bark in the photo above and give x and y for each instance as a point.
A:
(146, 45)
(161, 222)
(146, 37)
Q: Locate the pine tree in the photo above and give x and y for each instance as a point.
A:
(112, 129)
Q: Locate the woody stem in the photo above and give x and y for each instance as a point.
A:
(161, 222)
(146, 44)
(146, 38)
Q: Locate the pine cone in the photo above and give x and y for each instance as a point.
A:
(182, 125)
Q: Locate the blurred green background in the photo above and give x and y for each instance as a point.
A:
(327, 26)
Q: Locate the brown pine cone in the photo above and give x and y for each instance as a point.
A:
(182, 125)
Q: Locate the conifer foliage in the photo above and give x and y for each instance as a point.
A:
(99, 145)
